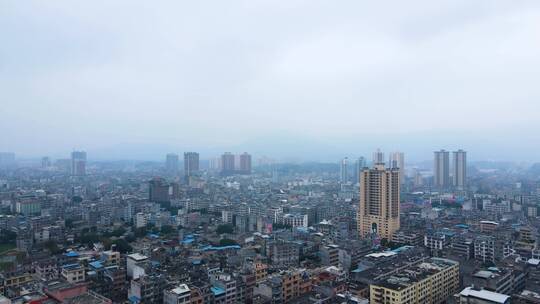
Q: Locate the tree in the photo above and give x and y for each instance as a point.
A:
(167, 229)
(122, 246)
(118, 232)
(89, 238)
(52, 247)
(107, 242)
(140, 232)
(130, 238)
(69, 223)
(7, 236)
(225, 228)
(167, 206)
(389, 244)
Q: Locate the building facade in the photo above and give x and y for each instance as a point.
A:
(171, 163)
(441, 169)
(227, 163)
(459, 169)
(397, 160)
(379, 202)
(430, 281)
(78, 163)
(191, 163)
(245, 163)
(343, 170)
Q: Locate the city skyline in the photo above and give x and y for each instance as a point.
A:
(269, 152)
(436, 73)
(309, 150)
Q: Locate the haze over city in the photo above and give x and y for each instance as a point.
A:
(306, 80)
(269, 152)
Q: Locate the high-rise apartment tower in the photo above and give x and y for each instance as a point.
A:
(379, 202)
(441, 169)
(78, 163)
(245, 163)
(459, 169)
(344, 170)
(397, 160)
(171, 163)
(191, 163)
(227, 163)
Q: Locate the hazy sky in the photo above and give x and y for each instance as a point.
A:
(286, 78)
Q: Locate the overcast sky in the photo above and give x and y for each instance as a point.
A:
(284, 78)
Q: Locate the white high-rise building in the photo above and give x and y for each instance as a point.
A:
(171, 163)
(344, 170)
(378, 157)
(459, 169)
(78, 163)
(397, 160)
(441, 169)
(359, 165)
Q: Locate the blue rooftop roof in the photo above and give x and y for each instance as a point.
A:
(361, 268)
(96, 264)
(448, 233)
(71, 266)
(210, 248)
(71, 254)
(217, 291)
(302, 229)
(402, 248)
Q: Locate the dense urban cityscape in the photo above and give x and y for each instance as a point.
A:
(269, 152)
(233, 229)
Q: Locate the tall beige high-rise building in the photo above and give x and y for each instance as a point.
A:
(379, 202)
(397, 160)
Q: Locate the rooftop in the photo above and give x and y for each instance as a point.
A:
(53, 286)
(415, 273)
(96, 264)
(88, 298)
(182, 288)
(217, 291)
(71, 266)
(137, 257)
(485, 295)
